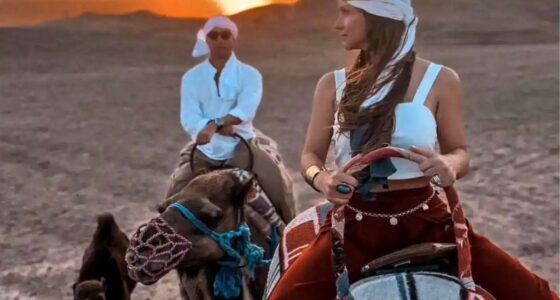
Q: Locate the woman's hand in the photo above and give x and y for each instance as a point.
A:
(435, 165)
(327, 183)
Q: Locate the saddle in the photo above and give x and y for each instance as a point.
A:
(425, 256)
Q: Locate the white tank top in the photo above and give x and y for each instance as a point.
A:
(415, 125)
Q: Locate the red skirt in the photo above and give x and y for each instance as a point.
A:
(311, 275)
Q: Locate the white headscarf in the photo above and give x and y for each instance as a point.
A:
(201, 48)
(400, 10)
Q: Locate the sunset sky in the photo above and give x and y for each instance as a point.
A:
(27, 12)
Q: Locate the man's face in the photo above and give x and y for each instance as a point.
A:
(221, 42)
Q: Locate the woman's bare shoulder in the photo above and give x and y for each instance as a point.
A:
(448, 84)
(327, 82)
(447, 76)
(447, 80)
(326, 88)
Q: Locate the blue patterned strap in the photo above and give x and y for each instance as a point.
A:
(227, 283)
(187, 214)
(223, 239)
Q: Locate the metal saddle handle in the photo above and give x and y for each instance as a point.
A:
(250, 164)
(414, 255)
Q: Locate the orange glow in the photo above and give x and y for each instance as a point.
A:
(229, 7)
(28, 12)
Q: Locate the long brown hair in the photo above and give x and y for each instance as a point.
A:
(384, 37)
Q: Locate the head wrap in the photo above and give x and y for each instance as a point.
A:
(399, 10)
(201, 48)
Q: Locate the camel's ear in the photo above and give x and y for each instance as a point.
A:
(247, 187)
(163, 206)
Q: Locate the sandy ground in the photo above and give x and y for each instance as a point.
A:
(89, 124)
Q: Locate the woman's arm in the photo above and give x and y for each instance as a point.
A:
(451, 123)
(318, 140)
(319, 130)
(453, 162)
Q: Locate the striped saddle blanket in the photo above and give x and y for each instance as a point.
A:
(297, 235)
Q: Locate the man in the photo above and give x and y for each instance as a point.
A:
(219, 98)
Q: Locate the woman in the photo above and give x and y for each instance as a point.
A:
(389, 96)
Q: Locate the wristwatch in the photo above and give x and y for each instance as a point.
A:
(219, 122)
(311, 173)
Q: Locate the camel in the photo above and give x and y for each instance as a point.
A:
(186, 237)
(103, 274)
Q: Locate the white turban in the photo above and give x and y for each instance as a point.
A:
(399, 10)
(201, 48)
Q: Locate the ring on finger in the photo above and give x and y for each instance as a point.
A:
(437, 180)
(343, 189)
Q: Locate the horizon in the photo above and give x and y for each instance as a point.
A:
(15, 13)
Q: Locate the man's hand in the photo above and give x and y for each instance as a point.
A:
(205, 135)
(227, 130)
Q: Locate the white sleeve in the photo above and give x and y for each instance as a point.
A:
(250, 97)
(192, 119)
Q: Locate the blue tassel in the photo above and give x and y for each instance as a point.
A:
(227, 283)
(254, 255)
